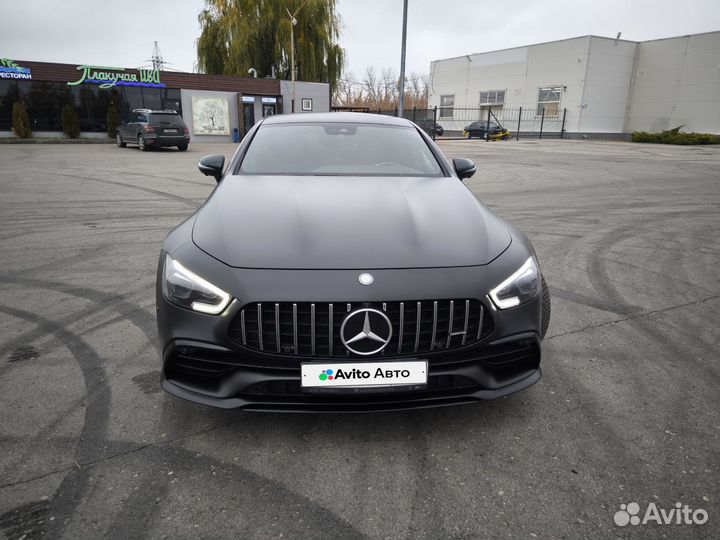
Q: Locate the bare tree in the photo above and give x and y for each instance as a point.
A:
(390, 86)
(347, 92)
(380, 91)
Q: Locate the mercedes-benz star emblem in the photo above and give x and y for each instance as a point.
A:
(366, 278)
(366, 331)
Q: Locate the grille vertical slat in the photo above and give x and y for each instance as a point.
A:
(259, 325)
(242, 325)
(330, 329)
(480, 324)
(450, 323)
(277, 326)
(402, 326)
(295, 336)
(313, 329)
(417, 325)
(465, 324)
(434, 331)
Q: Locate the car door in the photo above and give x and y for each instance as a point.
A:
(140, 120)
(124, 126)
(128, 131)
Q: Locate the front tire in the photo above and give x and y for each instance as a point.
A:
(141, 144)
(119, 141)
(183, 147)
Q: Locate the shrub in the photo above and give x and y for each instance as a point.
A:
(112, 120)
(675, 136)
(69, 121)
(21, 121)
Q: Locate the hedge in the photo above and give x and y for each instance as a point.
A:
(675, 136)
(112, 120)
(21, 121)
(69, 121)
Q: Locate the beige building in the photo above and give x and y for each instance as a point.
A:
(607, 86)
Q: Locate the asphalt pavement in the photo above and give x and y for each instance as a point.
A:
(628, 409)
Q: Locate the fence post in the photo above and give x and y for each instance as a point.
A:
(487, 127)
(378, 110)
(562, 129)
(517, 134)
(542, 120)
(434, 121)
(414, 109)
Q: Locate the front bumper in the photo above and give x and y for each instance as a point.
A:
(220, 377)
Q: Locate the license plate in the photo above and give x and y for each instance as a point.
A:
(361, 374)
(171, 131)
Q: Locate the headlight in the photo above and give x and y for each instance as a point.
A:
(522, 286)
(186, 289)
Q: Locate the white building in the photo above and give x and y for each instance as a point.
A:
(607, 86)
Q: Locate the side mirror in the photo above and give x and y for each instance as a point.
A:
(212, 166)
(464, 168)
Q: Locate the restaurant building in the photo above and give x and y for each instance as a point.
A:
(216, 108)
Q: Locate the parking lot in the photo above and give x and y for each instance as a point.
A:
(627, 410)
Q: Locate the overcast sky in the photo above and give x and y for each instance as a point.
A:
(122, 33)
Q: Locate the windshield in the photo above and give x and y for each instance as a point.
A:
(339, 149)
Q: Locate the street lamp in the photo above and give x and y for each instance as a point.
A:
(402, 60)
(293, 22)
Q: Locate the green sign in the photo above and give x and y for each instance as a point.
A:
(107, 77)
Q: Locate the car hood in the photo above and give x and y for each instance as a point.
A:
(317, 222)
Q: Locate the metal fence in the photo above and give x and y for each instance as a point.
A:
(451, 122)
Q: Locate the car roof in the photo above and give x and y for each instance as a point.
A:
(344, 117)
(156, 111)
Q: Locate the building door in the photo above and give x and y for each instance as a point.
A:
(248, 116)
(268, 109)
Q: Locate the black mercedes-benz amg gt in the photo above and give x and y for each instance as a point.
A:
(341, 265)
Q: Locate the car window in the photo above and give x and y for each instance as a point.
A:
(339, 149)
(170, 118)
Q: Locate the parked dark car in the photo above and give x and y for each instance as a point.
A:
(479, 129)
(429, 126)
(152, 129)
(341, 264)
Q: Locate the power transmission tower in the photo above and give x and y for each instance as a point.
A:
(157, 59)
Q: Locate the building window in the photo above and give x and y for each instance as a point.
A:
(549, 99)
(306, 104)
(446, 106)
(492, 97)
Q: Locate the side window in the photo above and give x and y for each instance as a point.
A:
(446, 106)
(549, 101)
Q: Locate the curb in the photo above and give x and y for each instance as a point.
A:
(58, 140)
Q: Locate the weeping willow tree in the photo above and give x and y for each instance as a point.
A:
(241, 34)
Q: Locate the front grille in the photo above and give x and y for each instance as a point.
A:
(313, 329)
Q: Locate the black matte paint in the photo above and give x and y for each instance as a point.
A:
(307, 239)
